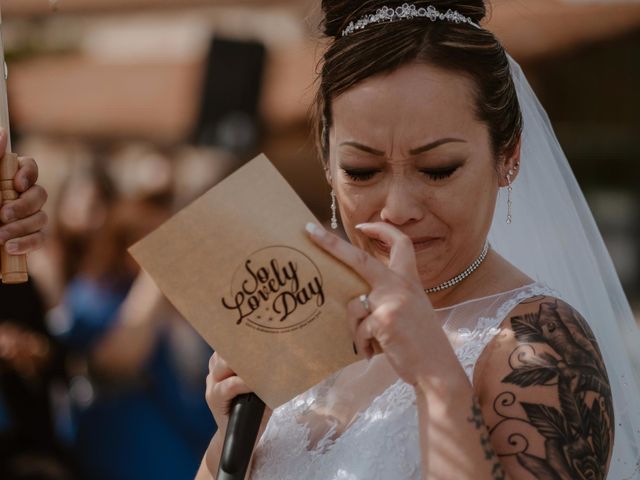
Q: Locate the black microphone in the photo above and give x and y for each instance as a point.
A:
(242, 431)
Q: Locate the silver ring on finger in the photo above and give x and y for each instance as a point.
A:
(364, 301)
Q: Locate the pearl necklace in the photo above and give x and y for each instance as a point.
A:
(458, 278)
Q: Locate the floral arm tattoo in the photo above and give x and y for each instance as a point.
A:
(557, 350)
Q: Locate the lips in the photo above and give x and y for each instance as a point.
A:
(424, 243)
(419, 244)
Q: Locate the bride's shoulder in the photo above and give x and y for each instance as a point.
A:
(543, 322)
(545, 318)
(543, 379)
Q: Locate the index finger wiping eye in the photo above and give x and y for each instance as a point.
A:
(364, 264)
(402, 258)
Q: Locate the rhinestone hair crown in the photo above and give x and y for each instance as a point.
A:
(406, 12)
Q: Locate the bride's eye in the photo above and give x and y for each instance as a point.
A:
(439, 173)
(360, 174)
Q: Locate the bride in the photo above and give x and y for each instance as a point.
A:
(495, 327)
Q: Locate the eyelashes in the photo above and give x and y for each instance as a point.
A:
(439, 173)
(360, 174)
(364, 174)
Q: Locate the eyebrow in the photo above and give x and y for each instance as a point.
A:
(364, 148)
(436, 144)
(415, 151)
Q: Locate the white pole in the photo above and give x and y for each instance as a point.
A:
(4, 104)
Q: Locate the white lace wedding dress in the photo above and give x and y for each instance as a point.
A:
(361, 423)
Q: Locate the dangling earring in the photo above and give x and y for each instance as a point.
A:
(334, 208)
(509, 200)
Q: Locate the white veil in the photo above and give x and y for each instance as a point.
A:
(554, 239)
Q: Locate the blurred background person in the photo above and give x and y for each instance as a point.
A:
(30, 364)
(28, 446)
(86, 196)
(134, 364)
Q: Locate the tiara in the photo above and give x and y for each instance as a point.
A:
(406, 12)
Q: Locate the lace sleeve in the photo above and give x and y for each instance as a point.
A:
(470, 341)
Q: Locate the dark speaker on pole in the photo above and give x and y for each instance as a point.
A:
(229, 113)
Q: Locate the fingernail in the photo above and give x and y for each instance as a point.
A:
(313, 229)
(11, 247)
(360, 226)
(9, 215)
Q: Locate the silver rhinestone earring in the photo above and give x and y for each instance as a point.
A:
(509, 200)
(334, 208)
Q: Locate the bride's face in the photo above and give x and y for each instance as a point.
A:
(406, 148)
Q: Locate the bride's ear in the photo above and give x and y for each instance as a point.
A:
(510, 165)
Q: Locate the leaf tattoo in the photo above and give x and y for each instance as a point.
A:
(547, 420)
(536, 371)
(578, 436)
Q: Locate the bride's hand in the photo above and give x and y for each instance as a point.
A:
(401, 318)
(223, 385)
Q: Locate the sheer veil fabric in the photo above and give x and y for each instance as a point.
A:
(361, 423)
(554, 239)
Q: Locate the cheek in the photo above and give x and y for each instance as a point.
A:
(472, 203)
(464, 205)
(357, 205)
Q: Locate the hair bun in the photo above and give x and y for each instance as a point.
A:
(338, 13)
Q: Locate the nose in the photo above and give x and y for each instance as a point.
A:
(402, 204)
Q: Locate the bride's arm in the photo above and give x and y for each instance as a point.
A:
(454, 442)
(541, 407)
(203, 472)
(210, 460)
(223, 385)
(545, 395)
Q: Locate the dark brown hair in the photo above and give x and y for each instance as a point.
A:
(383, 48)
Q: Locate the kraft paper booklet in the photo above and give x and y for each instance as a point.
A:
(237, 264)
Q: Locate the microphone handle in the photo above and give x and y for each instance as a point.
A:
(242, 431)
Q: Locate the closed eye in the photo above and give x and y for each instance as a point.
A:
(360, 174)
(439, 173)
(364, 174)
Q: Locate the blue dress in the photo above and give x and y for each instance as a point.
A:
(157, 428)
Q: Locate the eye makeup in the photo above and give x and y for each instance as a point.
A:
(362, 174)
(439, 173)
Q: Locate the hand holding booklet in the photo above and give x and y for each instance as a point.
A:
(238, 265)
